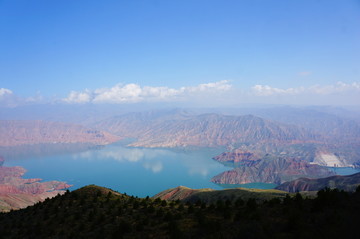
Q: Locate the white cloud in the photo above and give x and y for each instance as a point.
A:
(132, 93)
(118, 94)
(8, 99)
(220, 93)
(4, 92)
(35, 99)
(159, 92)
(339, 87)
(214, 86)
(336, 88)
(265, 90)
(78, 97)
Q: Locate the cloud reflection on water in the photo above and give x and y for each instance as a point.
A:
(153, 159)
(155, 167)
(148, 157)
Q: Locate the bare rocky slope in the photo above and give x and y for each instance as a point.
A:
(347, 183)
(260, 150)
(272, 170)
(17, 192)
(180, 129)
(333, 123)
(22, 132)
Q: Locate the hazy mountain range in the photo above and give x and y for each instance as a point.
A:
(347, 183)
(308, 134)
(272, 145)
(23, 132)
(181, 129)
(335, 142)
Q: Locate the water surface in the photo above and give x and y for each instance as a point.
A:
(136, 171)
(345, 170)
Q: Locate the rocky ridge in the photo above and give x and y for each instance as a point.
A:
(271, 170)
(206, 130)
(23, 132)
(347, 183)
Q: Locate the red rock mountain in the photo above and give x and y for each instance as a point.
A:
(18, 132)
(272, 169)
(206, 130)
(17, 192)
(347, 183)
(238, 158)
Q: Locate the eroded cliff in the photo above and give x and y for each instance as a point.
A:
(17, 192)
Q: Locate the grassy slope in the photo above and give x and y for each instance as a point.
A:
(347, 183)
(211, 196)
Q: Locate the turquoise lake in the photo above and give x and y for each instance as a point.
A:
(137, 171)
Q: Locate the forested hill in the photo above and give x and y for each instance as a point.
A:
(95, 212)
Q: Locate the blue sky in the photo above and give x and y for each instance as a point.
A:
(129, 51)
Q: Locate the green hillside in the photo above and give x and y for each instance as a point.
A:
(96, 212)
(347, 183)
(208, 195)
